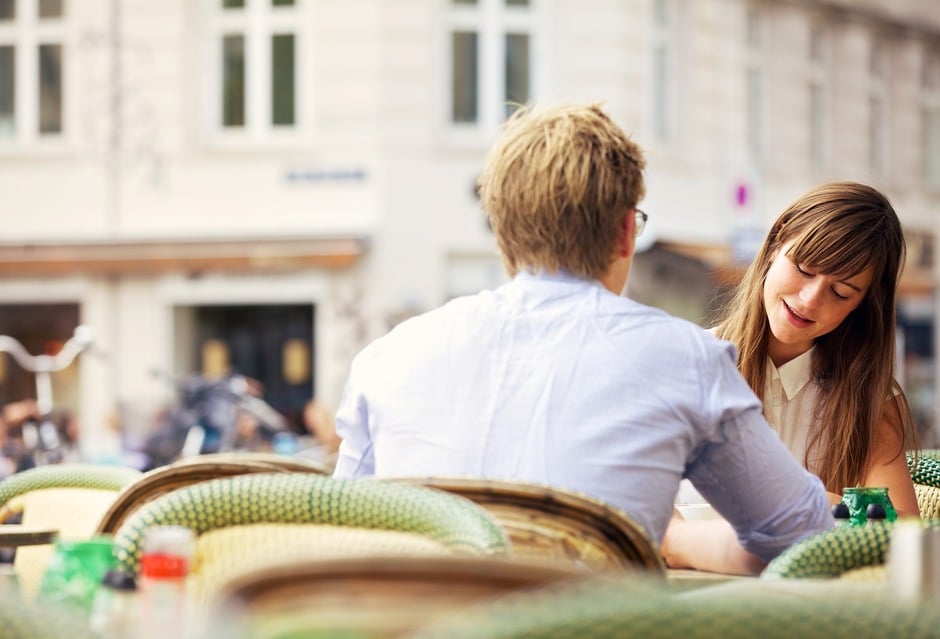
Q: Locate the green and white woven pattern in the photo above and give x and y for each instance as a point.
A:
(928, 501)
(925, 468)
(67, 476)
(831, 553)
(454, 521)
(599, 610)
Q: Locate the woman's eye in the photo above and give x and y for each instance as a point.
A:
(839, 295)
(801, 271)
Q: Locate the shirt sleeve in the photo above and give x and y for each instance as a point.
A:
(355, 457)
(747, 474)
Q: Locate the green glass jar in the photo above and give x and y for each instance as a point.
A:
(75, 570)
(868, 503)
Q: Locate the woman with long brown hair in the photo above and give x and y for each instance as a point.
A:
(814, 323)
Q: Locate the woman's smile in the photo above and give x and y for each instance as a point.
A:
(802, 304)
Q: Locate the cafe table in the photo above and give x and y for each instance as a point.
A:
(16, 535)
(684, 579)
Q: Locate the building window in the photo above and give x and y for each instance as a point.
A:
(931, 94)
(491, 48)
(254, 65)
(878, 111)
(663, 56)
(754, 78)
(32, 70)
(818, 96)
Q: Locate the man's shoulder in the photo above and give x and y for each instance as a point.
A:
(441, 319)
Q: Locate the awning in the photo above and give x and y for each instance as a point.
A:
(916, 280)
(149, 256)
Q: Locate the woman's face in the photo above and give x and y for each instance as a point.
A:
(803, 304)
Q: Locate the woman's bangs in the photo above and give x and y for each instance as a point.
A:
(834, 253)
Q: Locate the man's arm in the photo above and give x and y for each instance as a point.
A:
(707, 545)
(355, 458)
(749, 476)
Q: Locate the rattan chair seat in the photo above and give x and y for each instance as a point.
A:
(866, 574)
(258, 546)
(370, 597)
(928, 501)
(558, 525)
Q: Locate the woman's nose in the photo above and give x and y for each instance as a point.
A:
(811, 293)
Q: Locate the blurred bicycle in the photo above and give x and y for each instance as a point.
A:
(35, 435)
(214, 415)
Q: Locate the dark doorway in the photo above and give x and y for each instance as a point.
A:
(272, 344)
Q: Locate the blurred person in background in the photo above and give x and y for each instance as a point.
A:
(557, 379)
(319, 422)
(12, 417)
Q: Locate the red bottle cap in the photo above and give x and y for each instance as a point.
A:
(161, 566)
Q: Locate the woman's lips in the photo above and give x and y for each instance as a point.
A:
(795, 318)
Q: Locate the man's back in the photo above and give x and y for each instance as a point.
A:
(549, 379)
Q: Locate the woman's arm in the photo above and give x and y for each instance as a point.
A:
(888, 463)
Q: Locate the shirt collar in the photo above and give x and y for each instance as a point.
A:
(793, 375)
(545, 276)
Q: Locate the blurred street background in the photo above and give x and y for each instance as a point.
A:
(261, 187)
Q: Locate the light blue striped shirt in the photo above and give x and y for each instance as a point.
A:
(555, 380)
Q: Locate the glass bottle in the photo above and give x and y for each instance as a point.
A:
(114, 609)
(872, 501)
(74, 572)
(164, 565)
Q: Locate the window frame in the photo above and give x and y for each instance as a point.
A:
(819, 79)
(930, 112)
(666, 47)
(755, 81)
(258, 22)
(26, 33)
(879, 119)
(492, 21)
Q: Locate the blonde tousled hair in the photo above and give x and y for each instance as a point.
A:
(556, 187)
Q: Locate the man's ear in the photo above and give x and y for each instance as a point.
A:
(626, 240)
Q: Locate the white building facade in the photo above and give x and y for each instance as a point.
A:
(169, 169)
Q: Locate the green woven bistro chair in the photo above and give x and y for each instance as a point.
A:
(744, 609)
(301, 498)
(829, 554)
(91, 476)
(925, 467)
(67, 498)
(185, 472)
(560, 526)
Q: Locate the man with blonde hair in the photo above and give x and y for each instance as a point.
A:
(555, 378)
